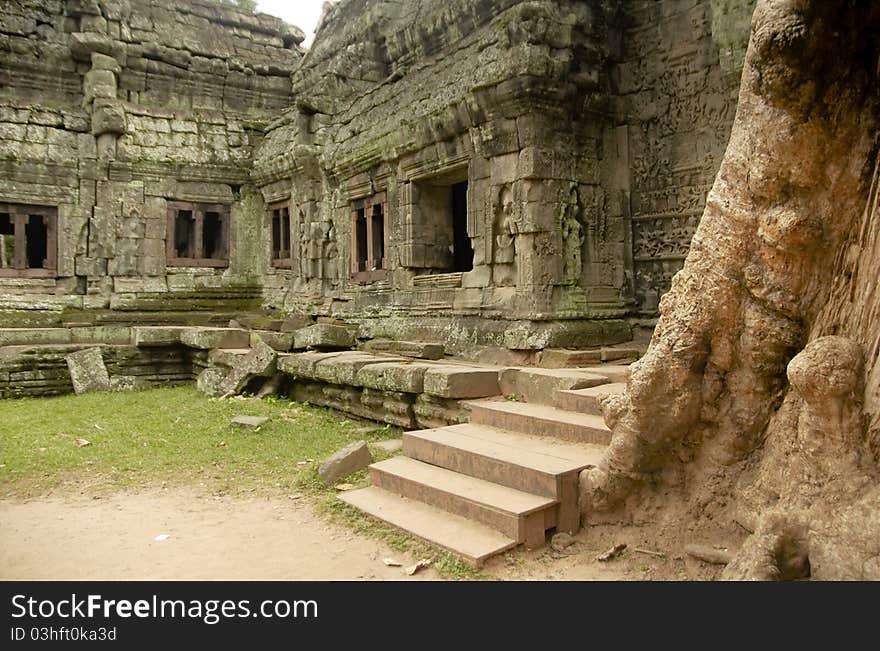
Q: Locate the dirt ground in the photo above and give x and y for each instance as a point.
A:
(79, 537)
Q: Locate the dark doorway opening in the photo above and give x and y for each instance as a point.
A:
(361, 236)
(37, 238)
(212, 235)
(462, 248)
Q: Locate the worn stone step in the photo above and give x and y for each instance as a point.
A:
(614, 353)
(564, 358)
(458, 382)
(539, 385)
(614, 372)
(517, 514)
(473, 541)
(540, 420)
(546, 467)
(587, 401)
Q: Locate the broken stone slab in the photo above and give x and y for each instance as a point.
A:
(417, 349)
(561, 358)
(280, 341)
(461, 382)
(343, 368)
(324, 336)
(260, 362)
(208, 338)
(400, 377)
(156, 335)
(539, 385)
(87, 371)
(226, 356)
(210, 380)
(349, 459)
(249, 422)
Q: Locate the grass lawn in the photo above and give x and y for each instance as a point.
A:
(172, 435)
(177, 436)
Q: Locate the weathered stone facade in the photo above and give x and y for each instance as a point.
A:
(476, 172)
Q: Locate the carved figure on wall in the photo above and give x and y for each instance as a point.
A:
(572, 240)
(505, 230)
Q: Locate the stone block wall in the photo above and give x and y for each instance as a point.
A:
(109, 110)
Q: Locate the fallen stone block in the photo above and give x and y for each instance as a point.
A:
(324, 336)
(87, 371)
(226, 356)
(260, 362)
(461, 382)
(349, 459)
(417, 349)
(208, 338)
(401, 377)
(280, 341)
(156, 335)
(560, 358)
(249, 422)
(210, 380)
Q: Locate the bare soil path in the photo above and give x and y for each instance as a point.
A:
(79, 537)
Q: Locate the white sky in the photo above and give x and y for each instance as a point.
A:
(302, 13)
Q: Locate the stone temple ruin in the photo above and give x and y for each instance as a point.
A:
(438, 202)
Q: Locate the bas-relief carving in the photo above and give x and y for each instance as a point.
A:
(573, 238)
(504, 228)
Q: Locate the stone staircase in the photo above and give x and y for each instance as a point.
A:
(506, 477)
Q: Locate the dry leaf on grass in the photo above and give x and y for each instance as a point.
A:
(612, 553)
(344, 487)
(422, 564)
(81, 443)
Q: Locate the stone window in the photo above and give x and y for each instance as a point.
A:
(27, 240)
(281, 254)
(368, 238)
(198, 234)
(437, 237)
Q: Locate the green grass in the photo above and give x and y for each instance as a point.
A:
(172, 435)
(176, 436)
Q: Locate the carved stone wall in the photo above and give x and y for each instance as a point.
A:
(677, 87)
(108, 111)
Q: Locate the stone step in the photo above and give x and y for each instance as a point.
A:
(539, 385)
(614, 372)
(540, 420)
(587, 401)
(474, 541)
(519, 515)
(546, 467)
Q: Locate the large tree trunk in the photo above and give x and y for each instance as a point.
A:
(759, 398)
